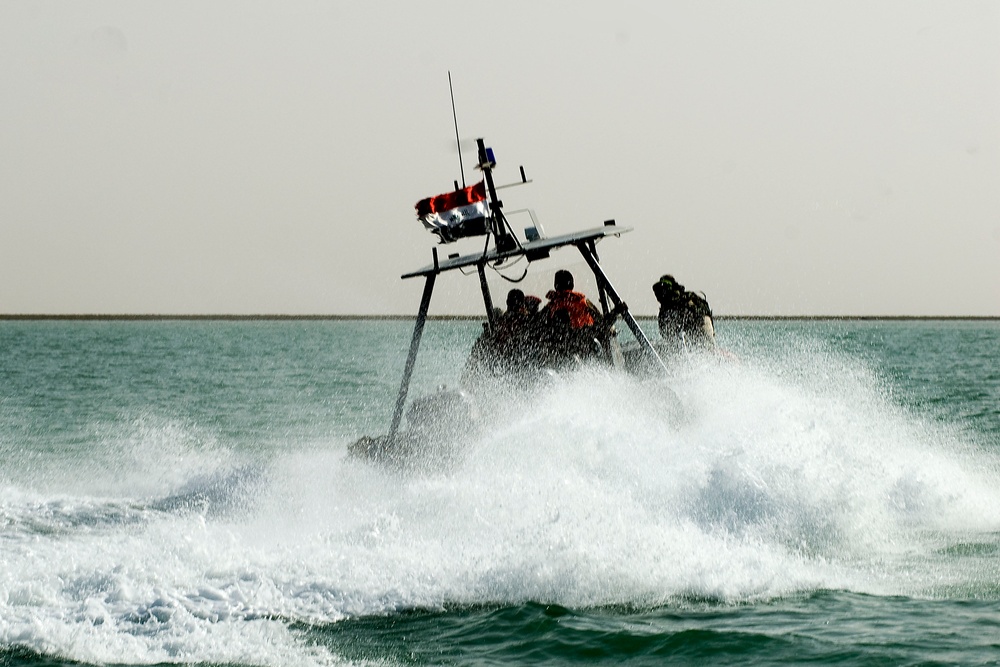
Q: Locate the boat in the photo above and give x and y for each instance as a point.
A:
(438, 423)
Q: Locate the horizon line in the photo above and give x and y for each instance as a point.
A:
(280, 317)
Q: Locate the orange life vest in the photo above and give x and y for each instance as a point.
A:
(573, 303)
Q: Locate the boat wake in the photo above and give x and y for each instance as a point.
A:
(780, 476)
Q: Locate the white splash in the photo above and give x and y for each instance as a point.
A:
(781, 476)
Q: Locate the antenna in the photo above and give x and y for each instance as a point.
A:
(458, 142)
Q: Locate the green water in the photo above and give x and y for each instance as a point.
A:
(179, 492)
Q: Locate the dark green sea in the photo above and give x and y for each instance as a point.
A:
(180, 492)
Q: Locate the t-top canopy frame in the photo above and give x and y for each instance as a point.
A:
(585, 241)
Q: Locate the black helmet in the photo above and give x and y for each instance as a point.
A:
(666, 287)
(564, 280)
(515, 299)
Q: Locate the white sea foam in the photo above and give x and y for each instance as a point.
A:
(780, 476)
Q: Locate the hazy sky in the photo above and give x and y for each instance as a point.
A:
(793, 157)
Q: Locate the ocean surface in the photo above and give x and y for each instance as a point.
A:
(181, 492)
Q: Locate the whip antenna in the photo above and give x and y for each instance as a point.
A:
(458, 142)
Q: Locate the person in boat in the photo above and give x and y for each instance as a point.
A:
(685, 318)
(517, 329)
(582, 313)
(573, 323)
(521, 313)
(511, 347)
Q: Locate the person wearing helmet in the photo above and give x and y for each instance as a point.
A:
(685, 317)
(582, 313)
(572, 322)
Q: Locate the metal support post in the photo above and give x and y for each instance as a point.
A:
(487, 299)
(600, 286)
(418, 330)
(620, 305)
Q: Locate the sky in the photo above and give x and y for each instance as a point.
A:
(784, 157)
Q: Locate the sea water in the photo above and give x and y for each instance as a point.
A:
(180, 492)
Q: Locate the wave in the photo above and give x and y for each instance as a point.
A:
(786, 474)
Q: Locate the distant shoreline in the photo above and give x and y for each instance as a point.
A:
(251, 318)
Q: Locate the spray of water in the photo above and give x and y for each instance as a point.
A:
(777, 476)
